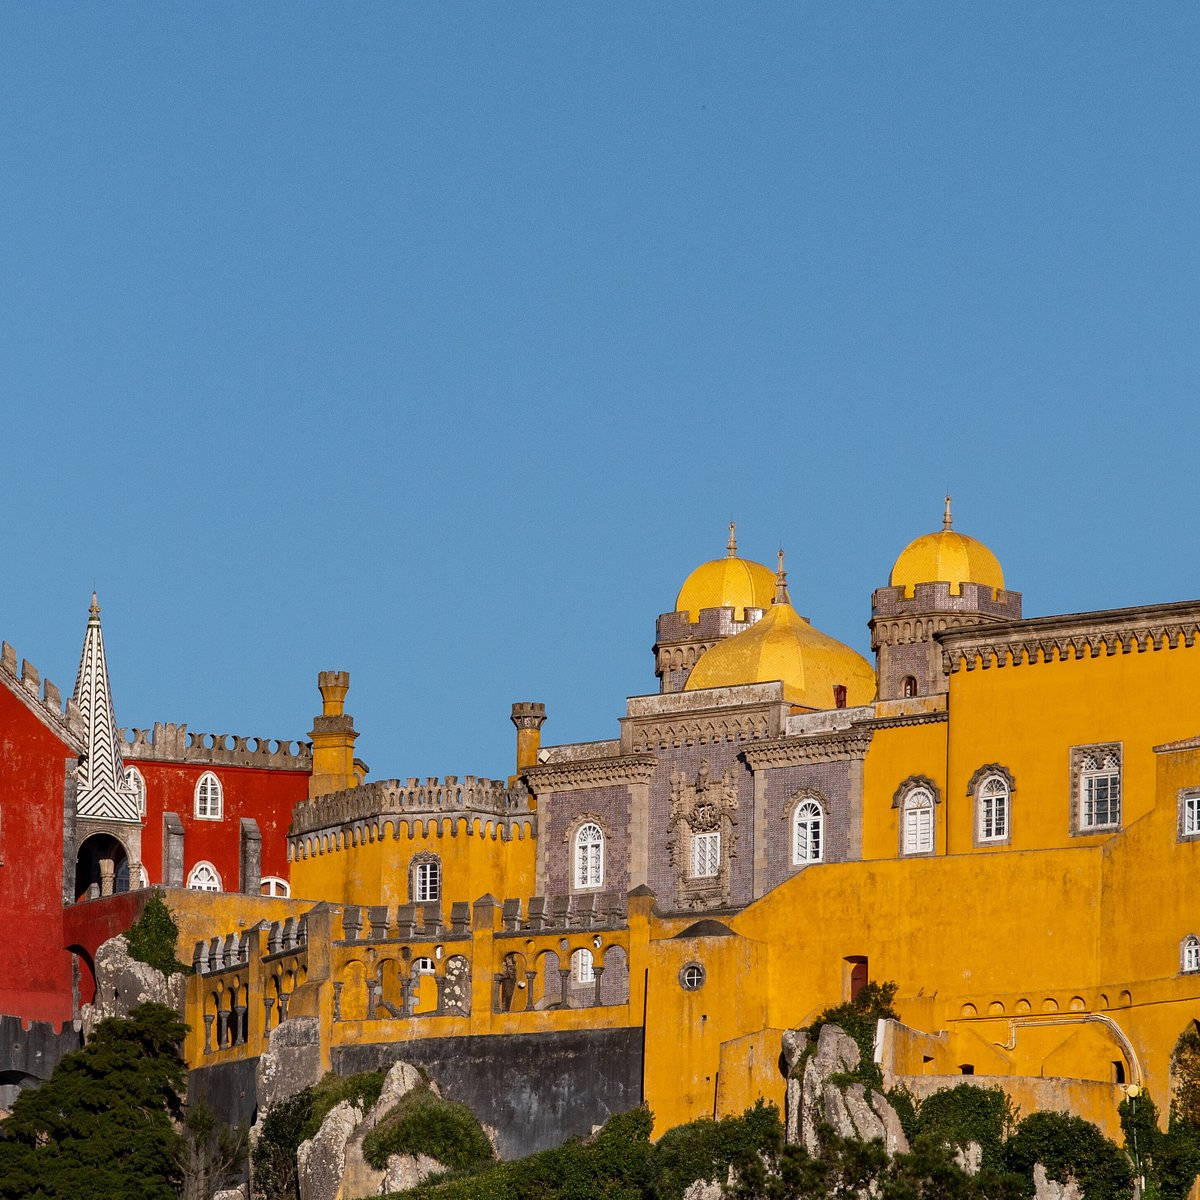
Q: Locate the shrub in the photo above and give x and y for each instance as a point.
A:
(706, 1149)
(963, 1114)
(858, 1017)
(1069, 1146)
(424, 1123)
(153, 936)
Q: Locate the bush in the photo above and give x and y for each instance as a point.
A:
(297, 1119)
(963, 1114)
(858, 1018)
(424, 1123)
(153, 936)
(1069, 1146)
(706, 1149)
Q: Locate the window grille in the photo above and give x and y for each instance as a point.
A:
(204, 878)
(808, 833)
(706, 855)
(993, 809)
(1099, 792)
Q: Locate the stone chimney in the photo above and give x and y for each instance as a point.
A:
(528, 717)
(333, 736)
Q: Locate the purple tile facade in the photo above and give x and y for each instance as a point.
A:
(830, 780)
(609, 808)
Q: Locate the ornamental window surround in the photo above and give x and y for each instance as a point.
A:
(426, 879)
(204, 877)
(210, 797)
(589, 856)
(1189, 955)
(916, 800)
(706, 855)
(808, 833)
(135, 781)
(1189, 814)
(1096, 791)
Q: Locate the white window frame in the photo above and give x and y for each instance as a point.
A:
(1189, 813)
(137, 781)
(427, 881)
(993, 804)
(808, 833)
(583, 966)
(589, 856)
(424, 965)
(202, 875)
(1189, 955)
(209, 799)
(275, 885)
(706, 855)
(1100, 785)
(917, 823)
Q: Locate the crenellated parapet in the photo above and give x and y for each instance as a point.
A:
(679, 641)
(42, 697)
(447, 807)
(898, 618)
(168, 742)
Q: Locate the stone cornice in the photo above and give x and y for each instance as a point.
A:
(924, 718)
(589, 773)
(1191, 743)
(1071, 636)
(796, 751)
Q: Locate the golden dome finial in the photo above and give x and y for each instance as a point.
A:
(781, 588)
(947, 519)
(731, 546)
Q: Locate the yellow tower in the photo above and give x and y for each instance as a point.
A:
(333, 736)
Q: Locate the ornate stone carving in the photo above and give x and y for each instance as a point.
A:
(705, 806)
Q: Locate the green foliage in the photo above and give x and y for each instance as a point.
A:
(1069, 1146)
(858, 1018)
(964, 1114)
(905, 1104)
(297, 1119)
(213, 1153)
(101, 1125)
(707, 1149)
(1169, 1161)
(152, 938)
(1185, 1069)
(423, 1123)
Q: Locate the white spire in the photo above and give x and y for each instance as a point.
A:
(102, 789)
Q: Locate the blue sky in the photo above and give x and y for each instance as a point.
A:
(439, 342)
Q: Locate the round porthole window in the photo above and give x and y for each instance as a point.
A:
(691, 978)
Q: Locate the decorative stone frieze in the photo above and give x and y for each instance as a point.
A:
(793, 752)
(603, 772)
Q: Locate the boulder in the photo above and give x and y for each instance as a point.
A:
(122, 983)
(969, 1157)
(1045, 1188)
(407, 1170)
(359, 1178)
(237, 1193)
(291, 1063)
(321, 1161)
(705, 1189)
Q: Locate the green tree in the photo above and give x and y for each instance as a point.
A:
(103, 1123)
(153, 936)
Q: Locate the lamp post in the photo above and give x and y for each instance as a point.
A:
(1132, 1091)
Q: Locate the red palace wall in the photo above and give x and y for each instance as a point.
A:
(35, 969)
(268, 796)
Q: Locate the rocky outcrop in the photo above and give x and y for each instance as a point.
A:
(291, 1063)
(818, 1093)
(237, 1193)
(122, 983)
(331, 1165)
(1045, 1188)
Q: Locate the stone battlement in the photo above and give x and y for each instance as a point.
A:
(175, 743)
(231, 951)
(383, 797)
(974, 599)
(41, 695)
(713, 623)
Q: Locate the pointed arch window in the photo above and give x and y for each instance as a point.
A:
(808, 833)
(135, 782)
(589, 856)
(1189, 955)
(204, 877)
(210, 797)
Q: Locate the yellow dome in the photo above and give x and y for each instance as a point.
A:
(728, 582)
(946, 557)
(784, 646)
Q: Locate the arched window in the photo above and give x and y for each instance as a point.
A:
(426, 880)
(992, 806)
(135, 782)
(583, 967)
(1190, 955)
(272, 885)
(808, 833)
(910, 686)
(204, 878)
(918, 822)
(210, 798)
(589, 856)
